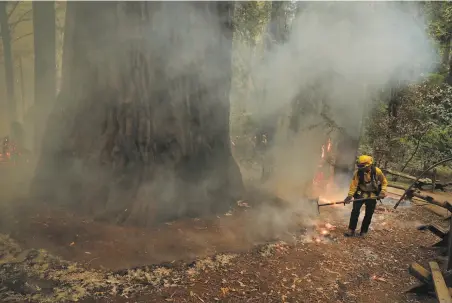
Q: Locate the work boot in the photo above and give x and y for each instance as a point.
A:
(363, 234)
(350, 233)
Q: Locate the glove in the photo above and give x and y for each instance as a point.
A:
(382, 195)
(348, 199)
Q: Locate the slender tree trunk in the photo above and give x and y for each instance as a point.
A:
(141, 131)
(268, 125)
(68, 46)
(22, 88)
(9, 65)
(418, 143)
(276, 28)
(393, 112)
(346, 153)
(446, 54)
(45, 64)
(348, 139)
(434, 177)
(449, 75)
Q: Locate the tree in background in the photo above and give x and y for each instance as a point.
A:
(440, 28)
(45, 64)
(276, 34)
(409, 127)
(141, 129)
(419, 134)
(8, 61)
(21, 31)
(250, 20)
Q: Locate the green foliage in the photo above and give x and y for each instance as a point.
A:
(422, 130)
(250, 20)
(440, 15)
(437, 79)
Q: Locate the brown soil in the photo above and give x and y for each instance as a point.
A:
(116, 247)
(334, 269)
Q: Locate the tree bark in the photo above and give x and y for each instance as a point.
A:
(393, 113)
(45, 65)
(346, 153)
(277, 25)
(8, 57)
(434, 176)
(418, 143)
(268, 125)
(449, 75)
(446, 54)
(140, 133)
(68, 46)
(22, 88)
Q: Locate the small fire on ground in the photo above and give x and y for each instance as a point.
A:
(321, 234)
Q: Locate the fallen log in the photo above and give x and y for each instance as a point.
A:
(419, 184)
(444, 204)
(396, 186)
(420, 176)
(436, 185)
(402, 175)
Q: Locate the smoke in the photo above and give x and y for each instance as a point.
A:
(337, 57)
(344, 48)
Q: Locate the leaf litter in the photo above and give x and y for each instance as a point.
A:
(37, 276)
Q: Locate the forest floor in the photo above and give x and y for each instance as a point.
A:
(262, 254)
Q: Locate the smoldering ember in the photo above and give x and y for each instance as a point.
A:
(265, 151)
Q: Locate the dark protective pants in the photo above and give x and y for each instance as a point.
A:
(370, 208)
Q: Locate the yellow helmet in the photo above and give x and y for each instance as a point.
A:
(364, 161)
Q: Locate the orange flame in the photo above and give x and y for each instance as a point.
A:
(320, 179)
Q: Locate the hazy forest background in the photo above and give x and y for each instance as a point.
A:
(296, 82)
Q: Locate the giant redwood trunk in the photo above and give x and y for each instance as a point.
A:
(140, 132)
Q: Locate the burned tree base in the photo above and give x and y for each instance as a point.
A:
(138, 137)
(138, 194)
(138, 198)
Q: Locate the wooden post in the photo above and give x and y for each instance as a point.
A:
(433, 180)
(441, 289)
(420, 273)
(449, 249)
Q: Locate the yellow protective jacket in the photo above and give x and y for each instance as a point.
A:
(364, 188)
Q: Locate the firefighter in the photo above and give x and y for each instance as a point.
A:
(368, 182)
